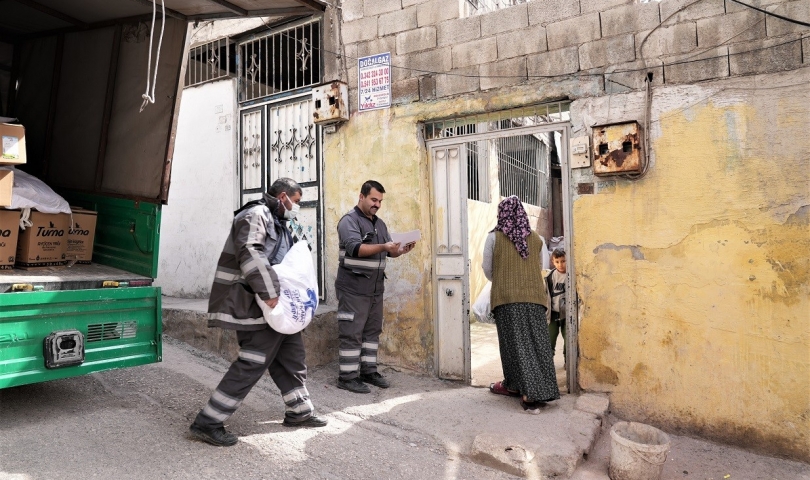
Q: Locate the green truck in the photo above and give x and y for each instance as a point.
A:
(73, 72)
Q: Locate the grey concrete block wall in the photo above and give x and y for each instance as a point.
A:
(608, 51)
(436, 11)
(358, 30)
(562, 61)
(765, 56)
(806, 49)
(691, 68)
(351, 10)
(397, 21)
(734, 7)
(423, 38)
(423, 63)
(475, 53)
(377, 7)
(679, 38)
(625, 77)
(503, 73)
(573, 31)
(405, 91)
(548, 11)
(463, 80)
(776, 27)
(511, 18)
(735, 27)
(630, 18)
(459, 30)
(588, 6)
(673, 11)
(522, 42)
(544, 38)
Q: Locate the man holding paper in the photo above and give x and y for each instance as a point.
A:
(365, 244)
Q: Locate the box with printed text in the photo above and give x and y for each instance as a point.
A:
(43, 244)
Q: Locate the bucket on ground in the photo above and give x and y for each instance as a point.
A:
(637, 451)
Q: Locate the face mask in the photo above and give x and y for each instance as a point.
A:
(292, 212)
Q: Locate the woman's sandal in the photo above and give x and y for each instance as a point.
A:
(498, 389)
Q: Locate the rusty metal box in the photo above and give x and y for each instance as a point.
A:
(617, 148)
(331, 103)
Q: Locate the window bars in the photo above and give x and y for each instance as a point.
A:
(280, 61)
(522, 161)
(208, 62)
(478, 7)
(543, 114)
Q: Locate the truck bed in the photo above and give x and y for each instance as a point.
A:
(76, 277)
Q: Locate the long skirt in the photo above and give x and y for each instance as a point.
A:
(526, 355)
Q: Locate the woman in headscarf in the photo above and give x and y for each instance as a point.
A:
(513, 263)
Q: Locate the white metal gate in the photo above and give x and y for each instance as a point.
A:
(279, 139)
(456, 162)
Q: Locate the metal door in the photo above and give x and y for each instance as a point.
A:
(450, 268)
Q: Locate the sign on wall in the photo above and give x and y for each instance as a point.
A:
(374, 82)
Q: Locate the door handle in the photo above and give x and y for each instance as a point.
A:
(449, 292)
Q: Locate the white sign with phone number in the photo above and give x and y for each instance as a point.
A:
(374, 82)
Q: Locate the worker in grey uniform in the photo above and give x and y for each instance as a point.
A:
(259, 239)
(364, 247)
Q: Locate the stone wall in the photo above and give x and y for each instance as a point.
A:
(436, 54)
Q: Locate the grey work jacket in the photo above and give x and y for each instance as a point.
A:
(361, 275)
(244, 267)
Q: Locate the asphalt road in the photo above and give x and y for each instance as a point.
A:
(133, 423)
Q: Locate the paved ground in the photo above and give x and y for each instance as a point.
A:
(132, 424)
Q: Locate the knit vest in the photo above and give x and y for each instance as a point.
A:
(514, 279)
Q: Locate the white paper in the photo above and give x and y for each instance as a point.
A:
(407, 237)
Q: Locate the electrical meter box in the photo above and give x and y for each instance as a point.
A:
(331, 102)
(617, 148)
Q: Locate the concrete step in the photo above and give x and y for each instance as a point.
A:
(186, 320)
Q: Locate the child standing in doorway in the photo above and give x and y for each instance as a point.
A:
(556, 289)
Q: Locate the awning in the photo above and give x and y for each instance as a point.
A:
(21, 18)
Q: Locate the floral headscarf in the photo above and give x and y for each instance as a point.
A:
(514, 223)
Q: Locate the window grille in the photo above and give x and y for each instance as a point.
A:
(521, 161)
(280, 61)
(478, 7)
(543, 114)
(209, 61)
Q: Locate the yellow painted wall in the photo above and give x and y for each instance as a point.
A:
(387, 146)
(695, 281)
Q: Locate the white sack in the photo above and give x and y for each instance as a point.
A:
(299, 292)
(481, 306)
(31, 192)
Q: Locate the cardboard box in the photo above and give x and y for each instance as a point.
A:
(81, 235)
(45, 243)
(9, 233)
(6, 184)
(12, 144)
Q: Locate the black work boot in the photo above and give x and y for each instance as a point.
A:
(353, 385)
(215, 436)
(375, 379)
(313, 421)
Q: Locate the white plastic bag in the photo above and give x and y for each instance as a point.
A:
(481, 306)
(31, 192)
(298, 299)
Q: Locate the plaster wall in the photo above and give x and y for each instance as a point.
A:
(202, 196)
(694, 281)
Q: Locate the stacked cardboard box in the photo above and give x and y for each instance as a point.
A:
(12, 144)
(12, 152)
(81, 235)
(9, 232)
(44, 244)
